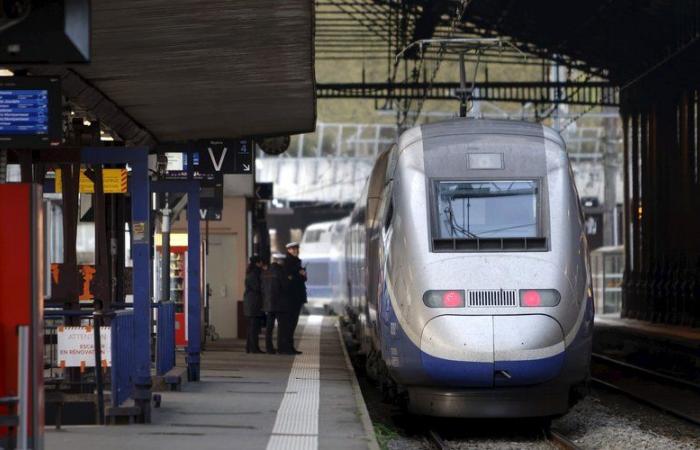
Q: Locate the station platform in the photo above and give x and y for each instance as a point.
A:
(670, 349)
(244, 401)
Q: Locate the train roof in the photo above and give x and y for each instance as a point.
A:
(462, 126)
(321, 225)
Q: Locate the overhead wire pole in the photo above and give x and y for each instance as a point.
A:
(464, 45)
(456, 19)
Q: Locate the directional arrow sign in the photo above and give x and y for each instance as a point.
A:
(263, 191)
(224, 156)
(210, 214)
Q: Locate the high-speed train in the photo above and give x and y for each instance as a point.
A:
(320, 250)
(467, 272)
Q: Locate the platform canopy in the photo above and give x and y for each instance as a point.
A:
(627, 39)
(620, 41)
(166, 71)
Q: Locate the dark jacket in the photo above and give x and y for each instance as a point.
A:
(252, 297)
(297, 281)
(275, 289)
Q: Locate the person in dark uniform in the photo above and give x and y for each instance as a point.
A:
(253, 303)
(296, 274)
(277, 306)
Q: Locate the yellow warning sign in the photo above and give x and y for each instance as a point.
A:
(114, 181)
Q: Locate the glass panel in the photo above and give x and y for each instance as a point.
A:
(486, 209)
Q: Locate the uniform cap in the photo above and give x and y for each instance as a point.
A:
(292, 245)
(278, 256)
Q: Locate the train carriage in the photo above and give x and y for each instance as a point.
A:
(468, 272)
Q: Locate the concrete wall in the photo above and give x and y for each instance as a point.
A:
(233, 223)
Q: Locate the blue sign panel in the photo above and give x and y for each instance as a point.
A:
(30, 112)
(24, 111)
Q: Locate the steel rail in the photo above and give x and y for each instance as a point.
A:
(656, 405)
(561, 441)
(648, 372)
(668, 409)
(437, 441)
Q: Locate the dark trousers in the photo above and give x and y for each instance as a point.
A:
(283, 326)
(252, 344)
(294, 321)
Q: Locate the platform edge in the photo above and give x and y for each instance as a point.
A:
(373, 444)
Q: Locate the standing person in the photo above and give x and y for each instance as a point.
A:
(276, 305)
(253, 303)
(296, 274)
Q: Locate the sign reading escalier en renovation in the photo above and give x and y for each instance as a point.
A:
(75, 346)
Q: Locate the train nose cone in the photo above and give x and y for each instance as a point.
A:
(458, 350)
(486, 351)
(528, 349)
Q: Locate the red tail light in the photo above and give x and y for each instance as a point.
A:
(452, 299)
(531, 298)
(444, 299)
(539, 297)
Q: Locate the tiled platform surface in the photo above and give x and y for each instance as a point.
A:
(310, 401)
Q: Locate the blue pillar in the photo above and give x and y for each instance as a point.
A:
(139, 188)
(194, 301)
(194, 304)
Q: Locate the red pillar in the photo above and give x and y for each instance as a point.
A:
(21, 295)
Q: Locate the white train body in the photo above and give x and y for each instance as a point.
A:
(467, 271)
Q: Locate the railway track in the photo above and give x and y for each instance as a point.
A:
(436, 440)
(555, 438)
(560, 441)
(665, 393)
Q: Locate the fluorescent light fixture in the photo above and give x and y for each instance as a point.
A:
(6, 73)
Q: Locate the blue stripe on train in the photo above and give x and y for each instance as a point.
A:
(529, 371)
(458, 373)
(484, 374)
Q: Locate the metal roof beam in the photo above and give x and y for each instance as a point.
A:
(572, 93)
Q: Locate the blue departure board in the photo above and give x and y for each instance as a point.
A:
(24, 111)
(31, 112)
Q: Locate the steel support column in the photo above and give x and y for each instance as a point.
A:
(137, 158)
(662, 143)
(194, 308)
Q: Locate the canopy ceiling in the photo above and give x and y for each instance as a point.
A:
(166, 70)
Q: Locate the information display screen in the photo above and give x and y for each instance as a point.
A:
(24, 111)
(30, 112)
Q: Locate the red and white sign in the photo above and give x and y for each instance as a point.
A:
(76, 346)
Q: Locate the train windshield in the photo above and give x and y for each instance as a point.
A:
(487, 209)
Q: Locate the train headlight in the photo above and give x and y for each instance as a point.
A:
(444, 299)
(539, 297)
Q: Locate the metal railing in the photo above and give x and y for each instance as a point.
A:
(165, 340)
(123, 349)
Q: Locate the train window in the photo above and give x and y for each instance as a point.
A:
(312, 236)
(486, 209)
(389, 215)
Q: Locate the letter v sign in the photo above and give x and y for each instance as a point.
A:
(217, 165)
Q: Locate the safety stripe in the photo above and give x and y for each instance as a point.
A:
(296, 424)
